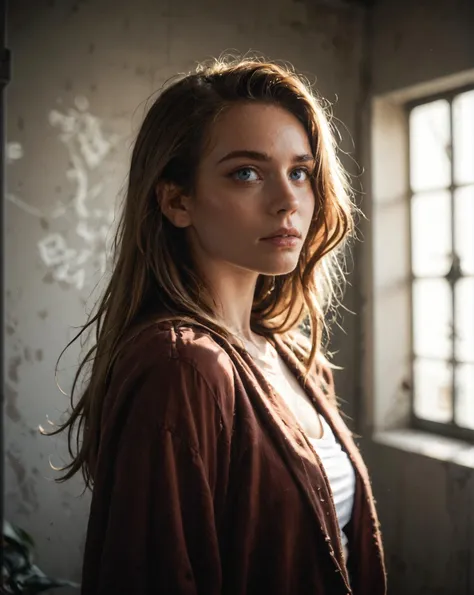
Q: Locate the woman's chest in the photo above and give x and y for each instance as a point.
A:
(288, 389)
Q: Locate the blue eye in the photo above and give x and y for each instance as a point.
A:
(301, 170)
(244, 174)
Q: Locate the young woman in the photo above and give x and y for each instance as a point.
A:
(208, 429)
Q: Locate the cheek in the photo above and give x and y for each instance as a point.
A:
(308, 209)
(218, 223)
(217, 217)
(223, 208)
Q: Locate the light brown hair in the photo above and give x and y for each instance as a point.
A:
(153, 270)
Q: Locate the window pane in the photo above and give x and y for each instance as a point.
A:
(464, 226)
(465, 396)
(465, 320)
(433, 390)
(429, 146)
(431, 234)
(463, 137)
(432, 318)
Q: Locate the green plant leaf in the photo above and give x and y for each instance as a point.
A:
(20, 575)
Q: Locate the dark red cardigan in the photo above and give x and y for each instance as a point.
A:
(204, 483)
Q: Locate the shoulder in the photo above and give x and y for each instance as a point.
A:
(174, 385)
(166, 344)
(173, 373)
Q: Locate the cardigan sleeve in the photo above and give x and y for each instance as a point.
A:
(152, 527)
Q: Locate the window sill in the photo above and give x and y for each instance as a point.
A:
(429, 445)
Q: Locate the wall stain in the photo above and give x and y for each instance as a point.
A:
(338, 25)
(343, 42)
(44, 223)
(43, 314)
(64, 285)
(12, 500)
(462, 481)
(20, 123)
(12, 323)
(14, 364)
(29, 494)
(48, 278)
(22, 509)
(28, 355)
(298, 26)
(39, 355)
(67, 508)
(11, 409)
(26, 486)
(17, 467)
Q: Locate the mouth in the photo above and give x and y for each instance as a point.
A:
(285, 232)
(284, 238)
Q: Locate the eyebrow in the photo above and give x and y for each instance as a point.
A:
(258, 156)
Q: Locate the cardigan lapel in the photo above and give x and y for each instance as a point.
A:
(298, 457)
(364, 503)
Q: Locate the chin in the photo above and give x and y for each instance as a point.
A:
(280, 268)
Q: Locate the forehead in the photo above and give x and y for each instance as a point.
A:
(257, 127)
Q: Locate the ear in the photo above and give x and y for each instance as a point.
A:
(174, 204)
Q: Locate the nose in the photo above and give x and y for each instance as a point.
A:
(284, 197)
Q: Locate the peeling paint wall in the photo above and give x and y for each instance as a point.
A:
(83, 73)
(426, 505)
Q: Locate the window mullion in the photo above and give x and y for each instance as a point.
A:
(455, 264)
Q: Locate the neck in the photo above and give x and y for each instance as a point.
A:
(233, 291)
(234, 300)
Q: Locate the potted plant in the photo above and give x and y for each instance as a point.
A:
(19, 573)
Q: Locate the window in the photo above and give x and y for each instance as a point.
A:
(441, 212)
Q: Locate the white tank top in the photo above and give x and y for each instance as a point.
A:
(336, 463)
(340, 474)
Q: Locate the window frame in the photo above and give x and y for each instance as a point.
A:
(449, 429)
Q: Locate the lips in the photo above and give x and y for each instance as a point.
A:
(284, 238)
(284, 232)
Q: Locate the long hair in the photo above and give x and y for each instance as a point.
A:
(153, 270)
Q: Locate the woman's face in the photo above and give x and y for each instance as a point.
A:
(252, 182)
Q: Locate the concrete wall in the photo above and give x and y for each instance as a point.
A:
(419, 41)
(426, 501)
(82, 72)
